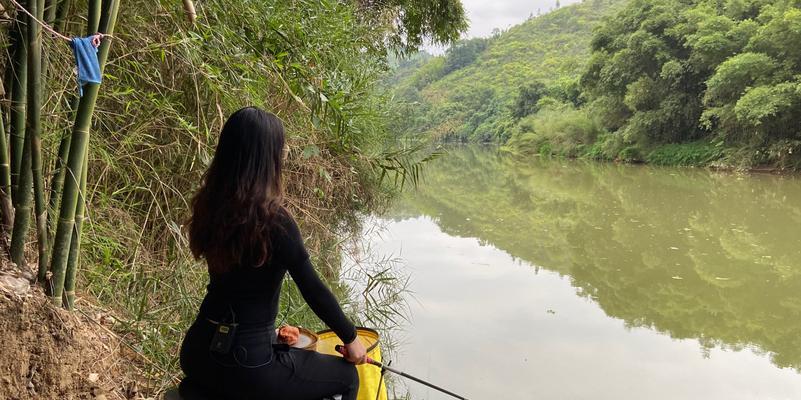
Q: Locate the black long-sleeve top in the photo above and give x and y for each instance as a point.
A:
(253, 293)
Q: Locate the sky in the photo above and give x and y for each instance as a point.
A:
(486, 15)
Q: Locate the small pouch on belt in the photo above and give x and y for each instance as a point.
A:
(223, 338)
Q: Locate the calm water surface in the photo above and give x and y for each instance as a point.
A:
(565, 280)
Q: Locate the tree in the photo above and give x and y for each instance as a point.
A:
(528, 98)
(677, 71)
(409, 23)
(464, 53)
(735, 75)
(638, 64)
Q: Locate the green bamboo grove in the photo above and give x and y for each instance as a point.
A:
(177, 68)
(58, 219)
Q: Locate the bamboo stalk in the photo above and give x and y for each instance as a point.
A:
(22, 210)
(19, 93)
(59, 170)
(61, 17)
(34, 131)
(57, 184)
(50, 11)
(108, 17)
(73, 260)
(7, 219)
(93, 22)
(78, 148)
(31, 145)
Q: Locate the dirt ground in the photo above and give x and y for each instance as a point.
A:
(50, 353)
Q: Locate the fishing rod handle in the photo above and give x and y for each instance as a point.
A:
(341, 350)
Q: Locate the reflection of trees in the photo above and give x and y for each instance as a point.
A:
(685, 252)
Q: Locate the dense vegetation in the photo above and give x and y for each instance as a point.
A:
(472, 92)
(168, 86)
(723, 72)
(689, 82)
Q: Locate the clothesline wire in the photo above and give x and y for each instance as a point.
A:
(49, 28)
(44, 25)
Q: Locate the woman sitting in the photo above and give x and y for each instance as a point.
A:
(250, 241)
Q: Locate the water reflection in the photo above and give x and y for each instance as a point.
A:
(688, 253)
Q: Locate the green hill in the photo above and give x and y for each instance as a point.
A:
(469, 93)
(674, 82)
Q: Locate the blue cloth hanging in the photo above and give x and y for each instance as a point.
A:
(86, 62)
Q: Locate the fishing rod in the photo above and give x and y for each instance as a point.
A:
(341, 350)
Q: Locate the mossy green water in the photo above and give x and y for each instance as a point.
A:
(688, 253)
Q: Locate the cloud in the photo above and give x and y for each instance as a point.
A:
(485, 16)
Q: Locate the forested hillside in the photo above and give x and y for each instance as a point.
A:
(703, 82)
(469, 93)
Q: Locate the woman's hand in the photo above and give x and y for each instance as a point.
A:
(355, 352)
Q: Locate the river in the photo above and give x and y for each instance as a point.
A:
(556, 279)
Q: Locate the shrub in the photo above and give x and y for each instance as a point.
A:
(687, 154)
(566, 131)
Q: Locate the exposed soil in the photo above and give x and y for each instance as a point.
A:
(50, 353)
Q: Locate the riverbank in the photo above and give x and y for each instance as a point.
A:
(698, 154)
(100, 353)
(50, 353)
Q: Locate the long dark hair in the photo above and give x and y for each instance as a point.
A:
(233, 211)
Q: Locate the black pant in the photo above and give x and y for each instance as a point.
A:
(257, 369)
